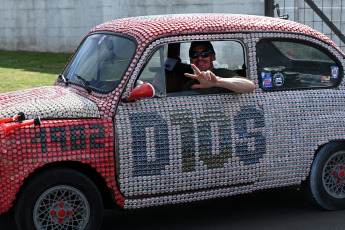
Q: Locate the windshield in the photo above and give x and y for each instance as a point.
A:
(100, 62)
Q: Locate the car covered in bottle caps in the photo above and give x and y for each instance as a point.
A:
(118, 125)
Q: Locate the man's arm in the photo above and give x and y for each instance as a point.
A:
(207, 79)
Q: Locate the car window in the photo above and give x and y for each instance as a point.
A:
(166, 67)
(229, 54)
(101, 62)
(153, 72)
(292, 65)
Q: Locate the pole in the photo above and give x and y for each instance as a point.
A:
(269, 8)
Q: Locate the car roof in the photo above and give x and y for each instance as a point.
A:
(147, 28)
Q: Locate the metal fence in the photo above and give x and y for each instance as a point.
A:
(302, 11)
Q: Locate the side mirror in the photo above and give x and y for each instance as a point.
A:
(145, 90)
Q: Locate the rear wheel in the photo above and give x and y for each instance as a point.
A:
(61, 198)
(326, 183)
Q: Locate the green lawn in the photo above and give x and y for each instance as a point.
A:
(23, 70)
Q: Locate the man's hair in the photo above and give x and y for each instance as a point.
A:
(201, 43)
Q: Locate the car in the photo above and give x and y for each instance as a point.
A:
(118, 126)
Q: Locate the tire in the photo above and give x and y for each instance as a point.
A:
(60, 198)
(326, 183)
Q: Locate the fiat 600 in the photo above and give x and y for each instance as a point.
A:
(129, 120)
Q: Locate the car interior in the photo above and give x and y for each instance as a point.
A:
(168, 65)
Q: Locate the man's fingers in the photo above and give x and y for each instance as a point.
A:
(208, 76)
(190, 75)
(196, 69)
(196, 86)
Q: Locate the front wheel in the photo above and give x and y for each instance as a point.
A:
(326, 183)
(59, 199)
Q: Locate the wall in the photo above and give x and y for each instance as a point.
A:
(59, 25)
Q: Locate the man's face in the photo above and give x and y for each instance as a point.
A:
(203, 63)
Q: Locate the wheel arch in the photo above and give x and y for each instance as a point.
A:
(327, 143)
(318, 149)
(87, 170)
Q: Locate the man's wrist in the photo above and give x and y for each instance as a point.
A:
(218, 82)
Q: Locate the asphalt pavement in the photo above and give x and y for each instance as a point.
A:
(278, 209)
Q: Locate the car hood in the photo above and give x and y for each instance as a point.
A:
(48, 102)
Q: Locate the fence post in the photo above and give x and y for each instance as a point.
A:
(269, 8)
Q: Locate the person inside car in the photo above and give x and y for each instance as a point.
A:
(210, 79)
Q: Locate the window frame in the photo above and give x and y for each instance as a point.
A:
(165, 47)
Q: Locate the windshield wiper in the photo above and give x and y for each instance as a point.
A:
(63, 78)
(85, 83)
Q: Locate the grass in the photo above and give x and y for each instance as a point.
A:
(22, 70)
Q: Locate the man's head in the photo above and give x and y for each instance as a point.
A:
(201, 54)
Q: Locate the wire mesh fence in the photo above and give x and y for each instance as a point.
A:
(300, 11)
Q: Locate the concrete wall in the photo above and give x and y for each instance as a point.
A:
(40, 25)
(59, 25)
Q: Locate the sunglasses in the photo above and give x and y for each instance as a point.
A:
(196, 54)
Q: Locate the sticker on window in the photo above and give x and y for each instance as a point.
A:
(278, 79)
(266, 79)
(335, 71)
(325, 79)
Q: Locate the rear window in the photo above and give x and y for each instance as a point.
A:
(292, 65)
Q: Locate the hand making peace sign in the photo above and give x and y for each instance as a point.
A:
(206, 79)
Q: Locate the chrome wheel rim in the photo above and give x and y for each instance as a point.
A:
(61, 208)
(333, 175)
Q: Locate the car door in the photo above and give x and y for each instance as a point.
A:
(177, 142)
(299, 80)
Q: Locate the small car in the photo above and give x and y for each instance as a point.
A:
(119, 126)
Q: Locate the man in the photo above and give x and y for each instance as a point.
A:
(202, 55)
